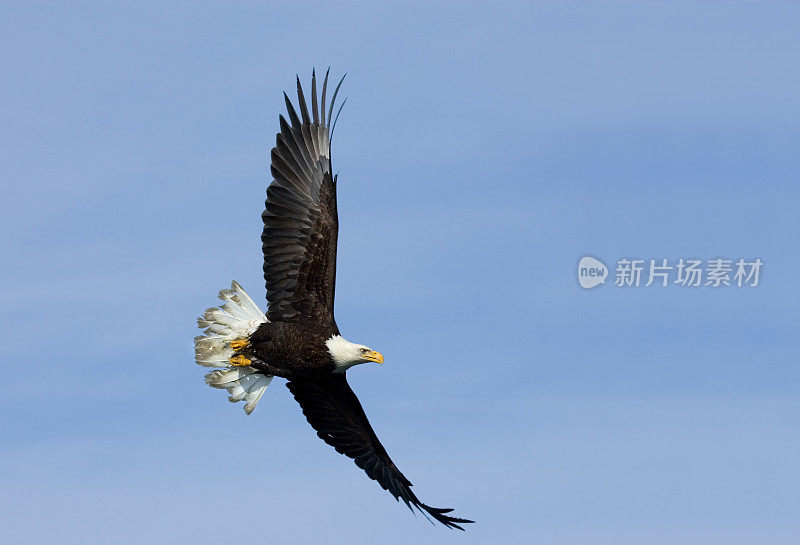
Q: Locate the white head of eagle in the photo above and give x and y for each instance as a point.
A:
(346, 354)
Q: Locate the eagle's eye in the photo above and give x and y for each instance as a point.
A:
(363, 350)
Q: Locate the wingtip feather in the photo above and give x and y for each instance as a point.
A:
(324, 88)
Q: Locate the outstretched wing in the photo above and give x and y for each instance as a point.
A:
(300, 219)
(334, 411)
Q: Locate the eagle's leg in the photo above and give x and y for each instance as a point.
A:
(240, 361)
(239, 344)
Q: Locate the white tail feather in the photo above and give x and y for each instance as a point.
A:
(243, 384)
(238, 318)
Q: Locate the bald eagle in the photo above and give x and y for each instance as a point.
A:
(298, 338)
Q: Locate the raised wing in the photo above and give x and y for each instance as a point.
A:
(300, 220)
(334, 411)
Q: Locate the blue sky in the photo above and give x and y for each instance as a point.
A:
(482, 151)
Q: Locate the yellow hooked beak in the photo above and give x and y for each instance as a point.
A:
(375, 356)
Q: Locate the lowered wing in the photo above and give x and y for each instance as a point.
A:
(334, 411)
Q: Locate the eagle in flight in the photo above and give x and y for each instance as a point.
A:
(298, 338)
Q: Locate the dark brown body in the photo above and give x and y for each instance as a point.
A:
(291, 349)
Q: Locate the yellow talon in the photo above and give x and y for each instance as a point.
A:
(239, 344)
(239, 361)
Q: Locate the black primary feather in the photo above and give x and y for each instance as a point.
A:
(324, 88)
(333, 100)
(314, 96)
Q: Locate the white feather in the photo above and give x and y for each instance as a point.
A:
(255, 393)
(243, 384)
